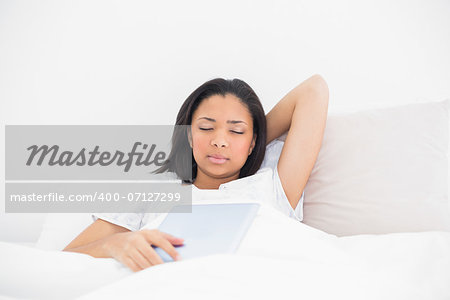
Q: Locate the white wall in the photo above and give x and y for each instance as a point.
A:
(135, 62)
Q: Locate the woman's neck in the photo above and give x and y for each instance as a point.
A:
(203, 181)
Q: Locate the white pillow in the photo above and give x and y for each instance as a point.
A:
(381, 171)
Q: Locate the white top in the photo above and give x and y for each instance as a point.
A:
(263, 187)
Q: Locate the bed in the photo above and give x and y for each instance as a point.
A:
(376, 226)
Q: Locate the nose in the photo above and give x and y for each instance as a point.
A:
(219, 141)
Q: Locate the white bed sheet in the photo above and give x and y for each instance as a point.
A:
(279, 257)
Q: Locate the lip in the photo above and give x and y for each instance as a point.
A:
(217, 159)
(217, 156)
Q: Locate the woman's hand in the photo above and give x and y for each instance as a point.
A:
(134, 248)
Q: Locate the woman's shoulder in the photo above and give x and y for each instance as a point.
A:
(273, 152)
(276, 143)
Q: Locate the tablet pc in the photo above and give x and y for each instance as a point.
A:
(208, 229)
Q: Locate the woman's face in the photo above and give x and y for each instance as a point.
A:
(222, 136)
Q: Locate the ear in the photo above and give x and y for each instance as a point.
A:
(252, 145)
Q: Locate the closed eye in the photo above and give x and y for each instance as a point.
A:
(206, 129)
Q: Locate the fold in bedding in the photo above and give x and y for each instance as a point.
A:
(278, 257)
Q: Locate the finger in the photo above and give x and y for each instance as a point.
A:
(164, 244)
(153, 232)
(149, 253)
(172, 239)
(139, 259)
(131, 264)
(154, 257)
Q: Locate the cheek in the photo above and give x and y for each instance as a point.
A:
(241, 147)
(200, 144)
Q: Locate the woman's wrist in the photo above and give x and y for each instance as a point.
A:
(107, 245)
(99, 249)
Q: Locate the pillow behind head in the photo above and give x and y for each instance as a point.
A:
(382, 171)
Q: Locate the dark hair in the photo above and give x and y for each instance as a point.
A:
(181, 154)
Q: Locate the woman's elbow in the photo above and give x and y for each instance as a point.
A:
(319, 83)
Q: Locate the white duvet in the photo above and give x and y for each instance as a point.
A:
(279, 257)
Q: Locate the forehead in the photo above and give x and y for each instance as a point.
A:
(223, 108)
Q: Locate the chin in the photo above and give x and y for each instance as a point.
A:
(219, 171)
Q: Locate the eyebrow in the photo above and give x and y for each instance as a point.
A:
(229, 121)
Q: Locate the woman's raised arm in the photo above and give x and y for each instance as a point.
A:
(303, 113)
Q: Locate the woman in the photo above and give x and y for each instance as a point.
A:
(228, 138)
